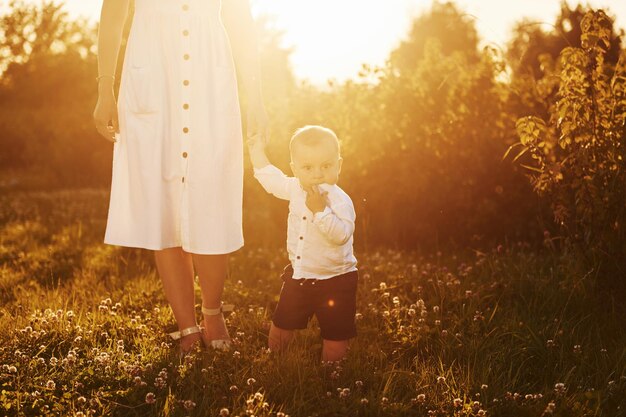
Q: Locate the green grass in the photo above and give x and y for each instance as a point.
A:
(82, 330)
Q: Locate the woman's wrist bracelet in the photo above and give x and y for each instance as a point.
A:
(98, 78)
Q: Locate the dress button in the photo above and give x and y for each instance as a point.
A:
(298, 257)
(186, 82)
(304, 218)
(186, 57)
(185, 32)
(301, 237)
(186, 106)
(183, 179)
(184, 154)
(185, 130)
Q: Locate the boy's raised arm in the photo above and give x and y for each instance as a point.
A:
(273, 180)
(256, 146)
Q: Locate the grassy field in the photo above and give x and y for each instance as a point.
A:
(510, 332)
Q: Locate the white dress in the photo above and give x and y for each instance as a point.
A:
(178, 163)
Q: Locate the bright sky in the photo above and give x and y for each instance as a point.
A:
(332, 38)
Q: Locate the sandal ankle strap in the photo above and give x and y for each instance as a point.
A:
(185, 332)
(215, 311)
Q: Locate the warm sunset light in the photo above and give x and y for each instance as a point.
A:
(331, 39)
(329, 208)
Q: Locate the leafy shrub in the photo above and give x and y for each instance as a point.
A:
(577, 155)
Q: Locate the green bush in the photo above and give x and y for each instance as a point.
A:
(577, 154)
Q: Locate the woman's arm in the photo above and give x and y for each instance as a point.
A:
(242, 33)
(112, 19)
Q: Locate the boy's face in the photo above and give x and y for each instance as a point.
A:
(315, 165)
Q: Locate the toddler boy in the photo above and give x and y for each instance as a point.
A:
(321, 279)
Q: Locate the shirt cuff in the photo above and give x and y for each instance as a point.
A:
(321, 214)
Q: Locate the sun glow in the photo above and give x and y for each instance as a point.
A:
(332, 39)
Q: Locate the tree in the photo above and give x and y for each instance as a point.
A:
(530, 42)
(444, 22)
(48, 65)
(532, 54)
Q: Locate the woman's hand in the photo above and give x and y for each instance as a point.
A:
(105, 115)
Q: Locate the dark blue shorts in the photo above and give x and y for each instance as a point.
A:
(332, 301)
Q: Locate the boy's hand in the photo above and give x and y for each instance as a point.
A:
(315, 200)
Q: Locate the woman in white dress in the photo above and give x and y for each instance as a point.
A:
(177, 178)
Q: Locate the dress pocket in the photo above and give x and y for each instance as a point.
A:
(142, 91)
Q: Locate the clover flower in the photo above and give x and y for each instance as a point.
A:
(559, 388)
(550, 408)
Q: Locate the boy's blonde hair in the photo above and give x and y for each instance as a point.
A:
(313, 135)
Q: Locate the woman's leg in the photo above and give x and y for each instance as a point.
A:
(176, 270)
(212, 271)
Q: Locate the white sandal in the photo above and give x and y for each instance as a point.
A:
(220, 344)
(179, 334)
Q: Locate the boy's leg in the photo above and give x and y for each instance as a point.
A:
(334, 350)
(279, 338)
(335, 311)
(292, 312)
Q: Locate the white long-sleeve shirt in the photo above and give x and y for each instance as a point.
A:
(320, 245)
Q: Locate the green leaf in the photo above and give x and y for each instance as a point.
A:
(511, 148)
(532, 168)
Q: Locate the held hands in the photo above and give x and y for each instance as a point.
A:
(256, 147)
(315, 199)
(258, 123)
(105, 115)
(256, 142)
